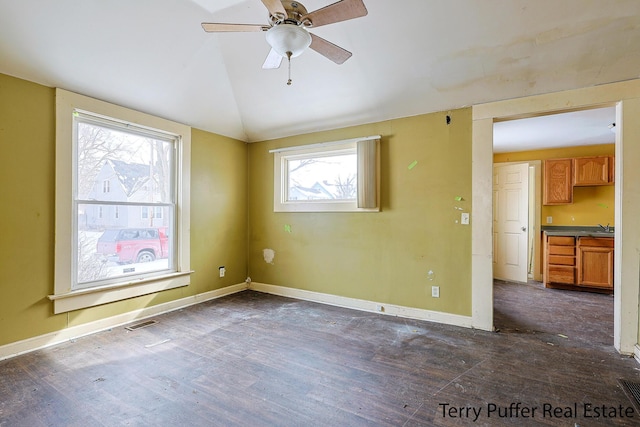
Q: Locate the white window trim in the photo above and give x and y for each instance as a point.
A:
(64, 298)
(368, 178)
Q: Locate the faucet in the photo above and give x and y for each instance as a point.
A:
(606, 228)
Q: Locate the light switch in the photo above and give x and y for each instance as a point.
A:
(464, 219)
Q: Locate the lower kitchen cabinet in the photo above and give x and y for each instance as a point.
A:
(579, 263)
(595, 262)
(560, 260)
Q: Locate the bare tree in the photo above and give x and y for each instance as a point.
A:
(91, 266)
(159, 173)
(160, 168)
(346, 188)
(304, 163)
(96, 145)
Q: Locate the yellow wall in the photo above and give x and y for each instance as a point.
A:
(27, 152)
(383, 256)
(591, 205)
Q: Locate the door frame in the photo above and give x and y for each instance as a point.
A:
(626, 97)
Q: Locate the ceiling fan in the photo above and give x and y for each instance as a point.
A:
(287, 32)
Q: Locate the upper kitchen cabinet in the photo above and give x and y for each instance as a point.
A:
(558, 185)
(597, 170)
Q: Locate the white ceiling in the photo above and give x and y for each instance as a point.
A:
(587, 127)
(409, 58)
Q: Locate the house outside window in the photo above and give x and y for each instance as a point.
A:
(157, 212)
(112, 252)
(152, 215)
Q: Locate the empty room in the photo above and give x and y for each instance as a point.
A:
(363, 212)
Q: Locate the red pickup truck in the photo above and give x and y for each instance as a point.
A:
(127, 245)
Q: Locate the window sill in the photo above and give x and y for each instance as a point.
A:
(84, 298)
(319, 206)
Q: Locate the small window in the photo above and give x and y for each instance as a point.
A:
(144, 212)
(106, 186)
(324, 176)
(328, 177)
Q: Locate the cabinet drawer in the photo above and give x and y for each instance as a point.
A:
(561, 274)
(562, 250)
(561, 240)
(562, 260)
(596, 242)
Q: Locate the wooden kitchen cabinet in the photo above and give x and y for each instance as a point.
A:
(589, 171)
(579, 263)
(595, 262)
(558, 182)
(560, 260)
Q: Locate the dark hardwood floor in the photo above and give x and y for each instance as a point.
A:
(253, 359)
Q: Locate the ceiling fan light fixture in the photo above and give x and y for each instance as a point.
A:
(285, 38)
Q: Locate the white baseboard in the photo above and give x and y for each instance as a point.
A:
(46, 340)
(57, 337)
(364, 305)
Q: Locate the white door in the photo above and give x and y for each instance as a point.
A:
(510, 221)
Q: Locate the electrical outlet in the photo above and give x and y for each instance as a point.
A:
(435, 291)
(549, 220)
(464, 218)
(222, 271)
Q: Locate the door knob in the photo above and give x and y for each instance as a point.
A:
(523, 228)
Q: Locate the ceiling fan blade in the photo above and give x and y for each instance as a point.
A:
(275, 8)
(329, 50)
(336, 12)
(211, 27)
(273, 60)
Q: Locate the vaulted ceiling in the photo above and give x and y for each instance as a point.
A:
(409, 57)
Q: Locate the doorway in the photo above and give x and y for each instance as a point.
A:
(565, 135)
(531, 140)
(626, 97)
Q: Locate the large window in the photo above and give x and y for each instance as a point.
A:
(121, 204)
(331, 177)
(110, 247)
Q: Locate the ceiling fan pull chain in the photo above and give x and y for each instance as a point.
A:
(289, 60)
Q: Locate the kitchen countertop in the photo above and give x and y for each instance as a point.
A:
(576, 231)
